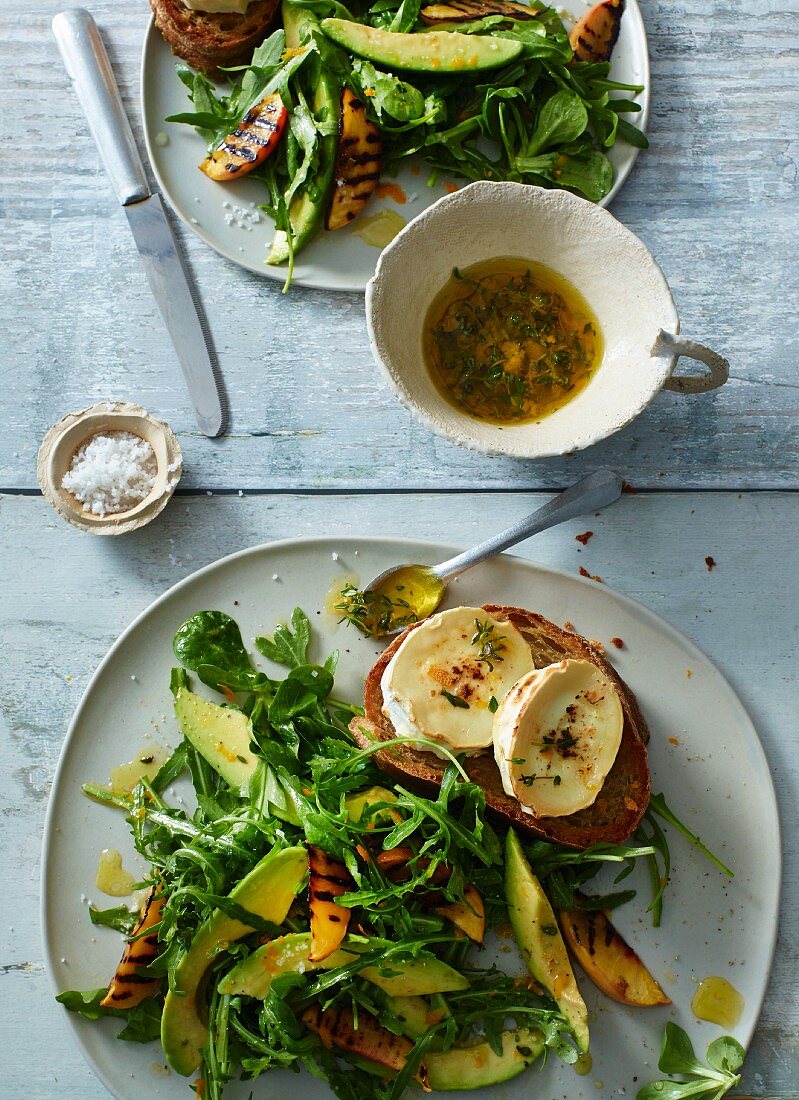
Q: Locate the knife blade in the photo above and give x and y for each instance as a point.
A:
(88, 67)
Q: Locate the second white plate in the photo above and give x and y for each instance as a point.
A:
(704, 752)
(333, 261)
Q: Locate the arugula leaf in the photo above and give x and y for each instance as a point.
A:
(143, 1020)
(386, 94)
(724, 1055)
(120, 918)
(406, 16)
(288, 646)
(85, 1002)
(172, 768)
(657, 805)
(302, 690)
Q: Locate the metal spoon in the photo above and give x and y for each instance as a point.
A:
(598, 490)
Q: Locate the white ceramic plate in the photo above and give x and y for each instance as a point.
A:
(711, 926)
(333, 261)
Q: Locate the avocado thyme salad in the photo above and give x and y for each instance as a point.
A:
(305, 915)
(479, 89)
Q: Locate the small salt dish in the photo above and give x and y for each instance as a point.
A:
(72, 432)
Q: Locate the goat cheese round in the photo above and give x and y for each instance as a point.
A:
(449, 676)
(556, 736)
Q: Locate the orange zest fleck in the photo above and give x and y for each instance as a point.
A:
(451, 188)
(228, 694)
(223, 750)
(392, 191)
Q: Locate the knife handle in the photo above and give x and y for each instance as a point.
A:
(89, 69)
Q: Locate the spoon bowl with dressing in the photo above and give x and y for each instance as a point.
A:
(526, 322)
(407, 594)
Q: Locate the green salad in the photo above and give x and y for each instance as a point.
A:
(308, 914)
(502, 96)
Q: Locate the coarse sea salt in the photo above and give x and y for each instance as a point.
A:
(112, 472)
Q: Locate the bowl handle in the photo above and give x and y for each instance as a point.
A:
(718, 368)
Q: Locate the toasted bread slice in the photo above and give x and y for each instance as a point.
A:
(206, 40)
(624, 797)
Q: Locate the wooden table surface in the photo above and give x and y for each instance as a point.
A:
(318, 445)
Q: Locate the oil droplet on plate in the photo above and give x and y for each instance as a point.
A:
(144, 765)
(717, 1002)
(584, 1064)
(112, 878)
(380, 229)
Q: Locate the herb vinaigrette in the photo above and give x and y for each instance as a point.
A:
(508, 341)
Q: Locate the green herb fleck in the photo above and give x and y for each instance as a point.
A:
(489, 648)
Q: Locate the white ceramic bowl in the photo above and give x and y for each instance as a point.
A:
(609, 265)
(68, 436)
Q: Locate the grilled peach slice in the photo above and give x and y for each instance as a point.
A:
(594, 35)
(329, 880)
(469, 915)
(255, 137)
(464, 11)
(357, 167)
(129, 986)
(608, 959)
(370, 1040)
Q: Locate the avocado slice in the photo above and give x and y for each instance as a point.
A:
(540, 942)
(253, 976)
(307, 210)
(267, 891)
(221, 735)
(477, 1066)
(355, 804)
(429, 52)
(416, 1015)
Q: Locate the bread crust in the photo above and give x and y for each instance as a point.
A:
(621, 803)
(206, 40)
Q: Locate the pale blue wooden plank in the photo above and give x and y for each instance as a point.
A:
(715, 199)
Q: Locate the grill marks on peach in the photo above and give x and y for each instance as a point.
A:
(329, 880)
(250, 143)
(357, 167)
(593, 37)
(336, 1027)
(129, 986)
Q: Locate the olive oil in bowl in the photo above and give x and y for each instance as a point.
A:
(509, 341)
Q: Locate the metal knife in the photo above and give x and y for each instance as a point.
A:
(89, 69)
